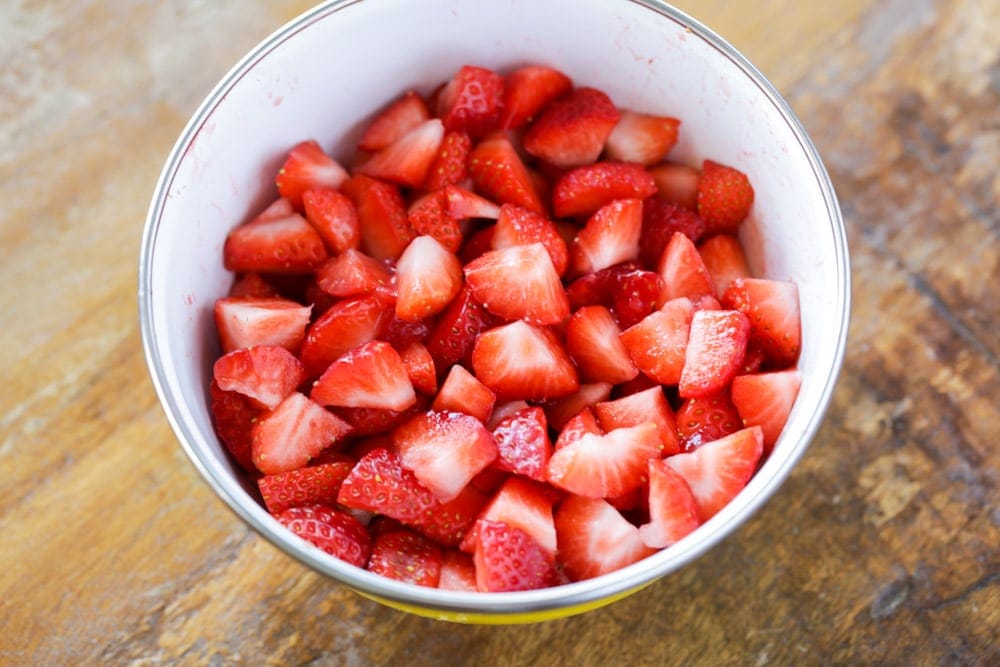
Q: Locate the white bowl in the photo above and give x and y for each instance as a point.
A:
(324, 73)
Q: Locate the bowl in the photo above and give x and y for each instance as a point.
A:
(324, 73)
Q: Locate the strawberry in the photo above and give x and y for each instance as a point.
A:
(277, 209)
(345, 325)
(724, 197)
(333, 216)
(233, 415)
(476, 243)
(601, 466)
(449, 523)
(353, 273)
(392, 122)
(266, 374)
(404, 555)
(520, 361)
(595, 539)
(658, 343)
(627, 290)
(428, 215)
(766, 400)
(253, 285)
(462, 392)
(660, 220)
(592, 340)
(455, 332)
(641, 138)
(523, 444)
(520, 226)
(649, 405)
(379, 483)
(334, 531)
(428, 276)
(385, 231)
(611, 236)
(582, 423)
(408, 160)
(519, 283)
(371, 375)
(683, 271)
(450, 164)
(503, 410)
(527, 90)
(307, 166)
(571, 130)
(677, 183)
(508, 559)
(458, 573)
(522, 504)
(463, 204)
(725, 261)
(701, 420)
(419, 366)
(499, 174)
(773, 309)
(718, 470)
(249, 321)
(471, 101)
(445, 450)
(312, 485)
(287, 437)
(371, 421)
(716, 345)
(580, 192)
(673, 513)
(282, 245)
(561, 410)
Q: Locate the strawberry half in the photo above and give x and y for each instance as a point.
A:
(677, 183)
(458, 573)
(527, 90)
(602, 466)
(725, 261)
(265, 373)
(371, 375)
(404, 555)
(312, 485)
(520, 226)
(715, 350)
(289, 436)
(508, 559)
(773, 309)
(334, 218)
(641, 138)
(345, 325)
(658, 344)
(353, 273)
(379, 483)
(520, 361)
(499, 174)
(523, 444)
(282, 245)
(660, 220)
(701, 420)
(577, 426)
(248, 321)
(402, 115)
(428, 278)
(307, 166)
(471, 101)
(594, 538)
(407, 161)
(335, 532)
(563, 409)
(385, 230)
(519, 283)
(593, 341)
(419, 367)
(649, 405)
(580, 192)
(766, 400)
(683, 271)
(673, 513)
(611, 236)
(523, 504)
(571, 130)
(462, 392)
(724, 197)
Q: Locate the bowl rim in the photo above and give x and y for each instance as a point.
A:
(449, 604)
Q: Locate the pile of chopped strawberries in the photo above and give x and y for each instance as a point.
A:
(512, 346)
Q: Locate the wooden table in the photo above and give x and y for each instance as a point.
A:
(882, 547)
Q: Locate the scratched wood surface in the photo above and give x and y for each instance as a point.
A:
(882, 547)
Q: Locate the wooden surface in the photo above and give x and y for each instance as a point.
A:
(882, 547)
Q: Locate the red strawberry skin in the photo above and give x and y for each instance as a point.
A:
(499, 174)
(453, 336)
(581, 191)
(724, 197)
(450, 165)
(508, 559)
(471, 101)
(571, 131)
(527, 90)
(701, 420)
(660, 219)
(335, 532)
(379, 483)
(672, 507)
(345, 325)
(404, 555)
(307, 166)
(334, 218)
(233, 416)
(284, 245)
(395, 120)
(385, 230)
(312, 485)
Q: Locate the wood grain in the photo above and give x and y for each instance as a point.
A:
(882, 548)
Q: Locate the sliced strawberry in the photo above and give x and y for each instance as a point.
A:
(455, 333)
(233, 416)
(404, 555)
(641, 138)
(345, 325)
(630, 292)
(523, 444)
(701, 420)
(458, 573)
(264, 373)
(289, 436)
(428, 215)
(677, 183)
(649, 405)
(450, 166)
(307, 166)
(673, 513)
(253, 285)
(463, 204)
(450, 523)
(392, 122)
(522, 504)
(581, 191)
(601, 466)
(370, 375)
(520, 361)
(773, 309)
(640, 383)
(725, 261)
(371, 421)
(519, 283)
(379, 483)
(660, 220)
(527, 90)
(332, 215)
(561, 410)
(353, 273)
(611, 236)
(571, 130)
(718, 470)
(683, 271)
(312, 485)
(335, 532)
(519, 226)
(419, 367)
(279, 208)
(445, 450)
(249, 321)
(595, 539)
(659, 342)
(471, 101)
(385, 231)
(407, 161)
(476, 243)
(283, 245)
(579, 425)
(716, 345)
(508, 559)
(462, 392)
(429, 277)
(503, 410)
(724, 197)
(766, 400)
(593, 341)
(499, 174)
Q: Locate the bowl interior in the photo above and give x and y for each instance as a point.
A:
(322, 75)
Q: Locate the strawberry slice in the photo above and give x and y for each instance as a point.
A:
(724, 197)
(333, 216)
(508, 559)
(312, 485)
(282, 245)
(594, 538)
(407, 161)
(673, 513)
(476, 243)
(353, 273)
(385, 231)
(766, 400)
(718, 470)
(289, 436)
(571, 131)
(522, 504)
(374, 421)
(627, 290)
(399, 333)
(233, 416)
(520, 361)
(445, 450)
(560, 411)
(253, 285)
(576, 427)
(458, 572)
(503, 410)
(520, 226)
(452, 338)
(392, 122)
(250, 321)
(449, 523)
(419, 367)
(527, 90)
(641, 138)
(677, 183)
(266, 374)
(279, 208)
(450, 166)
(580, 192)
(307, 166)
(379, 483)
(649, 405)
(715, 350)
(593, 341)
(523, 444)
(429, 277)
(683, 271)
(428, 215)
(371, 375)
(659, 342)
(471, 101)
(725, 261)
(334, 531)
(660, 220)
(462, 392)
(462, 204)
(611, 236)
(519, 283)
(602, 466)
(404, 555)
(345, 325)
(499, 174)
(701, 420)
(773, 309)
